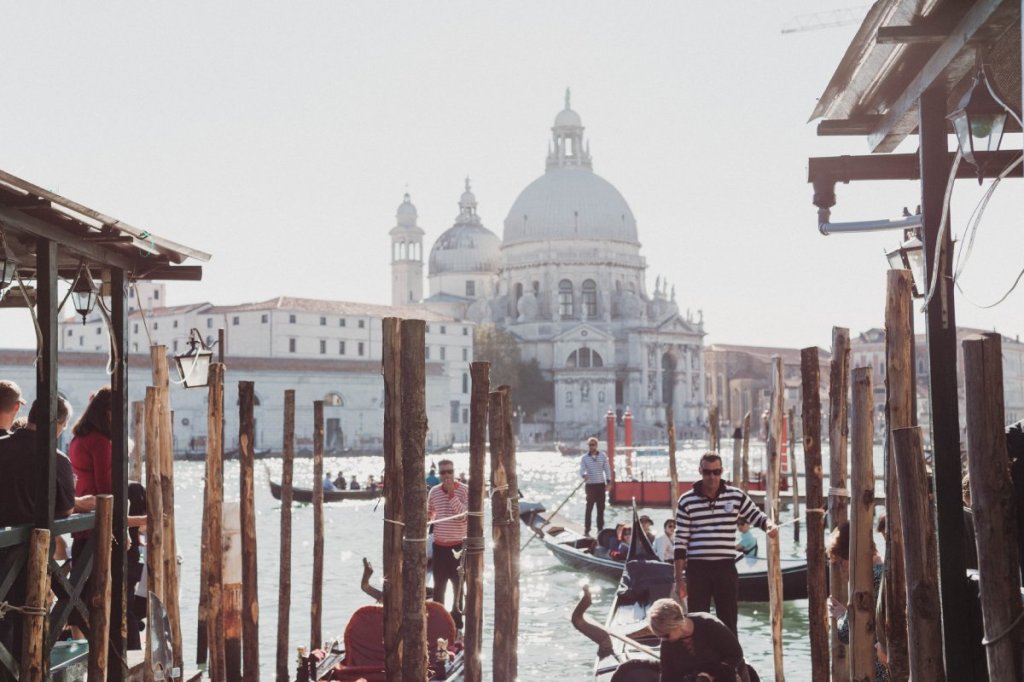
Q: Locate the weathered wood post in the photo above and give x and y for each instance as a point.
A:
(993, 505)
(99, 597)
(673, 470)
(35, 665)
(900, 404)
(284, 593)
(414, 430)
(745, 478)
(838, 495)
(247, 519)
(138, 438)
(861, 613)
(232, 592)
(817, 584)
(172, 604)
(713, 441)
(394, 503)
(480, 373)
(771, 507)
(794, 480)
(924, 616)
(504, 524)
(211, 571)
(737, 455)
(154, 511)
(317, 592)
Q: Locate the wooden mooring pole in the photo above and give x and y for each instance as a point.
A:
(154, 512)
(817, 584)
(900, 405)
(737, 455)
(138, 438)
(35, 666)
(414, 431)
(247, 519)
(171, 598)
(993, 505)
(284, 592)
(211, 571)
(771, 507)
(232, 592)
(480, 373)
(505, 534)
(838, 495)
(673, 471)
(99, 597)
(713, 440)
(861, 609)
(745, 478)
(924, 617)
(317, 592)
(794, 479)
(394, 507)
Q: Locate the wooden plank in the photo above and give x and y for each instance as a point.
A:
(46, 378)
(838, 498)
(154, 511)
(70, 242)
(34, 661)
(99, 597)
(394, 503)
(861, 609)
(848, 168)
(777, 410)
(817, 583)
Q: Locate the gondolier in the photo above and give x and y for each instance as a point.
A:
(705, 540)
(595, 470)
(446, 499)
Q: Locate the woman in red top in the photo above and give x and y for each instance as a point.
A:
(90, 450)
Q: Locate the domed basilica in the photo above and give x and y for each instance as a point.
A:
(567, 279)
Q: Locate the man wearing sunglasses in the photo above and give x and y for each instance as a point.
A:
(446, 499)
(705, 540)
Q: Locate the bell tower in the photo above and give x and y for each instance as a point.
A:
(406, 256)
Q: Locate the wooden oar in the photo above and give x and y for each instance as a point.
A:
(599, 633)
(557, 509)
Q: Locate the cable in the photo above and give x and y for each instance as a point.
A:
(943, 225)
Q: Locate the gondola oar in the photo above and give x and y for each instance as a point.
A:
(599, 633)
(552, 515)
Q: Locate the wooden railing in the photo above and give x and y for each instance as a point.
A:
(67, 582)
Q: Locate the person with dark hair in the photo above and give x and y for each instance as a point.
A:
(705, 541)
(10, 402)
(90, 449)
(594, 469)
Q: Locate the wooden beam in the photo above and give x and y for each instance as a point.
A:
(860, 125)
(38, 228)
(890, 35)
(117, 668)
(46, 377)
(953, 59)
(902, 166)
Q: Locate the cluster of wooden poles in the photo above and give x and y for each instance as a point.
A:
(912, 629)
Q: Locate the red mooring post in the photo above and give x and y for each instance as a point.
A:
(627, 441)
(610, 423)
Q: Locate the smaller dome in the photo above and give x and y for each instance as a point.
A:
(406, 213)
(567, 118)
(465, 247)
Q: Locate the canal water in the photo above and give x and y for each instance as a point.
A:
(548, 644)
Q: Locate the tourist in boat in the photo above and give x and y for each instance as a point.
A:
(839, 554)
(705, 541)
(747, 543)
(328, 483)
(625, 534)
(695, 645)
(647, 524)
(371, 484)
(663, 543)
(354, 484)
(340, 483)
(432, 478)
(445, 500)
(594, 469)
(462, 478)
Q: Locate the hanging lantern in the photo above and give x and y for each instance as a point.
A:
(84, 294)
(910, 256)
(978, 120)
(194, 364)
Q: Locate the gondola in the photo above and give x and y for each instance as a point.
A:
(360, 654)
(642, 582)
(565, 540)
(306, 494)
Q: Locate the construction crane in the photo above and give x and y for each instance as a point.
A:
(829, 19)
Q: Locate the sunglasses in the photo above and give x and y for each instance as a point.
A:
(712, 472)
(447, 471)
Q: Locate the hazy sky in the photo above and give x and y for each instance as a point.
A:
(280, 138)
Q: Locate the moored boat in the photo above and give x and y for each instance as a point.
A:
(306, 494)
(565, 540)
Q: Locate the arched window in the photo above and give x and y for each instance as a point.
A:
(565, 299)
(590, 298)
(333, 399)
(584, 358)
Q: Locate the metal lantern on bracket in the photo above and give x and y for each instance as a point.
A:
(194, 364)
(910, 256)
(84, 294)
(979, 120)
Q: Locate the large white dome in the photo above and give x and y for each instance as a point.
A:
(570, 203)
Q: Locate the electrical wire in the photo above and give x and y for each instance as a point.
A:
(943, 226)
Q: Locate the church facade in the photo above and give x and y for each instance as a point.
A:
(568, 280)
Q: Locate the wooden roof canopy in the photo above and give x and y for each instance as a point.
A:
(85, 237)
(902, 49)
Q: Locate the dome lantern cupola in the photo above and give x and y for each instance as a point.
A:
(568, 150)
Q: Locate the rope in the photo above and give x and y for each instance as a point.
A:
(35, 320)
(838, 492)
(7, 607)
(943, 225)
(798, 518)
(990, 641)
(142, 313)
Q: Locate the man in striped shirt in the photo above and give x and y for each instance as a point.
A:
(594, 468)
(705, 540)
(447, 498)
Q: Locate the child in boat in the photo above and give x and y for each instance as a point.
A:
(747, 543)
(663, 544)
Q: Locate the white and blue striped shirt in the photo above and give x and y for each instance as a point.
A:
(706, 526)
(595, 469)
